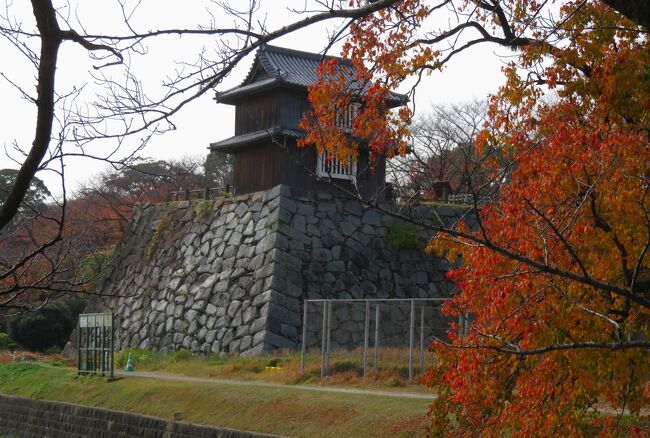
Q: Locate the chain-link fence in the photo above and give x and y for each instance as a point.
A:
(384, 332)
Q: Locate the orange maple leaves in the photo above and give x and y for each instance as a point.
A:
(384, 131)
(374, 126)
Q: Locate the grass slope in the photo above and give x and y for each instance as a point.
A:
(346, 368)
(271, 410)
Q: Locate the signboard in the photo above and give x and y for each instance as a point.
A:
(96, 341)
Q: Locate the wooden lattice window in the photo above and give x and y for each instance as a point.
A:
(345, 118)
(329, 166)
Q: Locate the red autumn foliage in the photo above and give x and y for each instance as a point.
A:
(556, 279)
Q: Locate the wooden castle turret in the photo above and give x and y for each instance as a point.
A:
(269, 105)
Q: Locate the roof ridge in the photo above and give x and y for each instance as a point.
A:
(301, 53)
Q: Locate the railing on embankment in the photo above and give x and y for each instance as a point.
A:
(204, 193)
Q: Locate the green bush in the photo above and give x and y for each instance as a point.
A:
(404, 235)
(6, 343)
(41, 330)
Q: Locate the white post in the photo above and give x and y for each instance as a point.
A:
(329, 334)
(366, 333)
(411, 339)
(376, 336)
(422, 339)
(323, 340)
(304, 338)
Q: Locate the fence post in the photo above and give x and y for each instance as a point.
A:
(78, 349)
(323, 340)
(304, 338)
(422, 339)
(329, 335)
(462, 324)
(95, 347)
(376, 336)
(206, 194)
(112, 346)
(411, 338)
(366, 333)
(187, 194)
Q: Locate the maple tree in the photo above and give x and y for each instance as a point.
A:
(114, 193)
(556, 280)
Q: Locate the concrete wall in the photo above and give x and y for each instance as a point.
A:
(231, 275)
(24, 417)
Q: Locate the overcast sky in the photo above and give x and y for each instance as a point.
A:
(472, 75)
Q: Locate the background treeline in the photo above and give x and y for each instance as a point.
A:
(55, 284)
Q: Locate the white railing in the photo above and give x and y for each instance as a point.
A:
(468, 198)
(396, 322)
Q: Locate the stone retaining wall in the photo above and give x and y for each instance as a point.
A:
(24, 417)
(231, 275)
(195, 275)
(333, 247)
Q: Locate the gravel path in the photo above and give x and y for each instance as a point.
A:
(177, 378)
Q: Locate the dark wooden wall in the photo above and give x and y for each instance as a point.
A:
(258, 112)
(294, 105)
(299, 167)
(256, 168)
(279, 107)
(267, 164)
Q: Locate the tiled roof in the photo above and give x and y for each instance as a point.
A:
(294, 67)
(290, 68)
(237, 141)
(253, 87)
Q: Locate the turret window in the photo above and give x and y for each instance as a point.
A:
(345, 118)
(330, 167)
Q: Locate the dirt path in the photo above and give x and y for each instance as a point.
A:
(177, 378)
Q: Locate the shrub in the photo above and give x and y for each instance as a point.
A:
(41, 330)
(404, 235)
(73, 305)
(6, 343)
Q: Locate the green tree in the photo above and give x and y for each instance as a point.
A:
(35, 198)
(218, 168)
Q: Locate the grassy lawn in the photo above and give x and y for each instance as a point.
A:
(272, 410)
